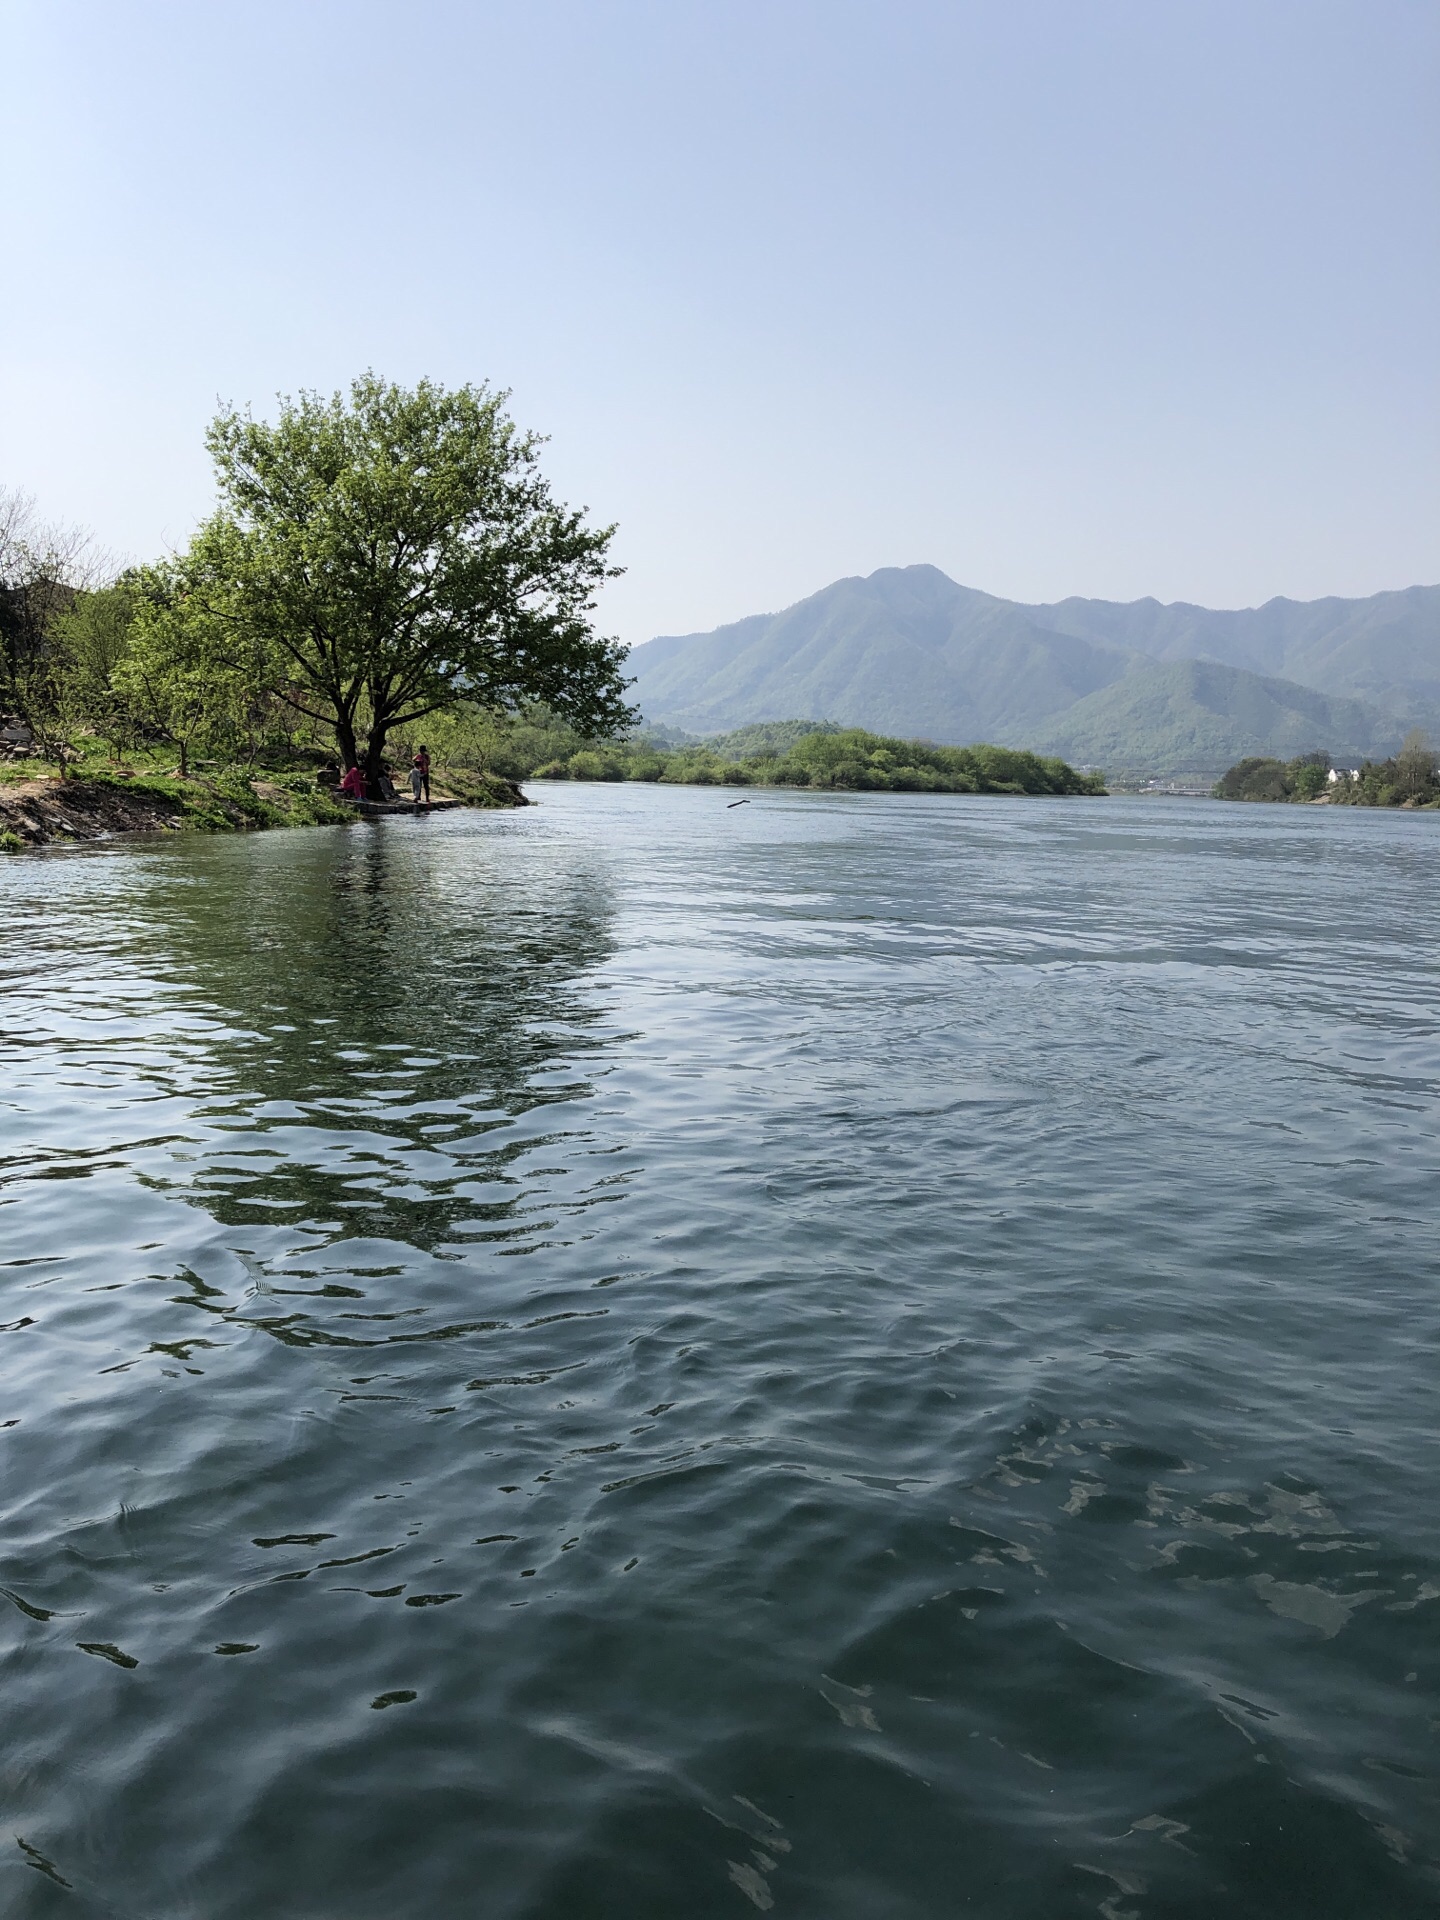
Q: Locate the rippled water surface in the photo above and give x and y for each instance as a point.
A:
(643, 1358)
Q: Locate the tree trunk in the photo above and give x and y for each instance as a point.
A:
(184, 759)
(375, 762)
(345, 740)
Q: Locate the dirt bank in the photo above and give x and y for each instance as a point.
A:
(38, 813)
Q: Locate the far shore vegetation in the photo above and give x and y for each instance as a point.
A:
(1410, 778)
(785, 753)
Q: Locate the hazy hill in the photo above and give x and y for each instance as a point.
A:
(905, 651)
(1385, 649)
(1193, 716)
(908, 651)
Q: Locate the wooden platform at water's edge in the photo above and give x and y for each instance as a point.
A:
(368, 807)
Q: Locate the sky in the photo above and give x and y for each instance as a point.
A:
(1109, 297)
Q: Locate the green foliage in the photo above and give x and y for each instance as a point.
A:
(1415, 767)
(766, 738)
(804, 754)
(397, 550)
(233, 786)
(1407, 779)
(227, 801)
(42, 568)
(1311, 779)
(197, 803)
(475, 739)
(590, 765)
(1272, 780)
(90, 643)
(393, 555)
(478, 788)
(663, 739)
(11, 842)
(851, 758)
(188, 673)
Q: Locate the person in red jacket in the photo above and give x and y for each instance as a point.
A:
(353, 785)
(420, 775)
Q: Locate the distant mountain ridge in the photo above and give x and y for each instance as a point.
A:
(1137, 684)
(1385, 649)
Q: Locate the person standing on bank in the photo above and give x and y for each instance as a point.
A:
(420, 775)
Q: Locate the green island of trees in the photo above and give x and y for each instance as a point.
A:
(383, 569)
(784, 753)
(1408, 779)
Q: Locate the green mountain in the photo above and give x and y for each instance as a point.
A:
(1385, 649)
(907, 651)
(1194, 716)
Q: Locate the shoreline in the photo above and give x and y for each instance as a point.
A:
(82, 810)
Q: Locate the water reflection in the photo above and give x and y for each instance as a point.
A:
(385, 1015)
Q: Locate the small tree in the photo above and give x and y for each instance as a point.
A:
(397, 553)
(42, 569)
(90, 640)
(1310, 774)
(187, 674)
(1415, 765)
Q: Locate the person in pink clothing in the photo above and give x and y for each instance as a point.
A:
(420, 775)
(353, 785)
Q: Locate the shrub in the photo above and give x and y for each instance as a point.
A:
(1255, 779)
(234, 786)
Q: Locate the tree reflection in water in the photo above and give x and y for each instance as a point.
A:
(403, 1017)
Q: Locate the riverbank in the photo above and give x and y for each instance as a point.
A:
(1408, 780)
(49, 811)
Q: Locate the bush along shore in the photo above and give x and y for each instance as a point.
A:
(1408, 779)
(820, 756)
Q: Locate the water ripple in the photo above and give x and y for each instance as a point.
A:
(864, 1356)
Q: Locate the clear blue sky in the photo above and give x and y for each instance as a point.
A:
(1066, 296)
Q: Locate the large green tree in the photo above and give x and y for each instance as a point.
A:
(395, 552)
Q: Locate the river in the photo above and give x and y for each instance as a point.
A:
(870, 1357)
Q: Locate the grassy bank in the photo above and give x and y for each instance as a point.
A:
(97, 799)
(42, 811)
